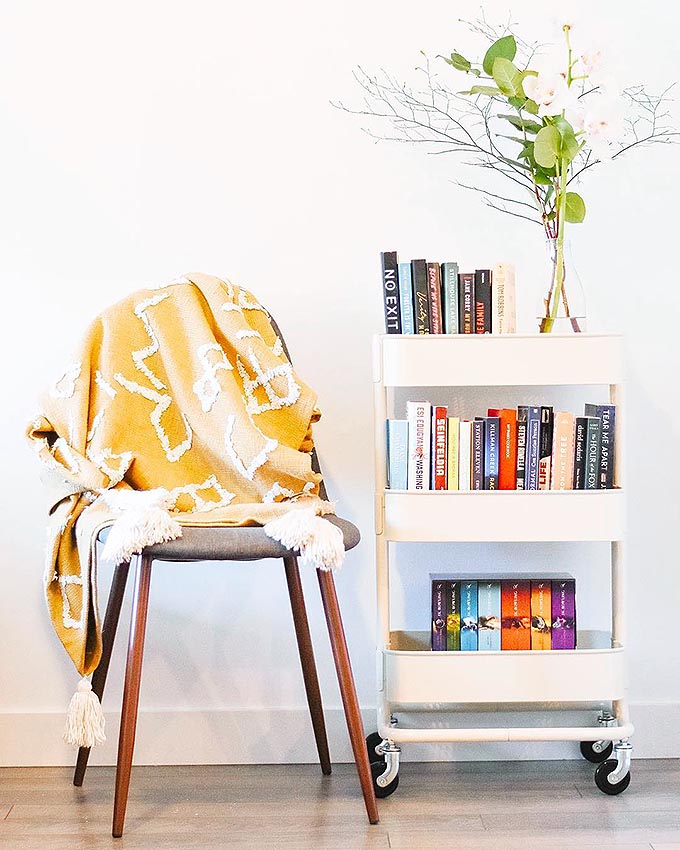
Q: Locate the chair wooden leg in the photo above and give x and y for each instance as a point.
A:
(348, 690)
(133, 676)
(304, 641)
(109, 629)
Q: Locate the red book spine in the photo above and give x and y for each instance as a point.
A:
(516, 614)
(440, 449)
(434, 283)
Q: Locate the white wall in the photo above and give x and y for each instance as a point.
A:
(142, 140)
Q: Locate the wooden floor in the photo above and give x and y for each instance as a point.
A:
(464, 805)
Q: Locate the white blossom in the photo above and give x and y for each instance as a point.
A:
(550, 91)
(600, 121)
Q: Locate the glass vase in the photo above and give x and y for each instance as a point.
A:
(562, 307)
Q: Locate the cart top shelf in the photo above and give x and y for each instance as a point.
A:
(434, 360)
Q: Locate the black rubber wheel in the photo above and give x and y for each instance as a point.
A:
(378, 768)
(372, 741)
(602, 772)
(596, 756)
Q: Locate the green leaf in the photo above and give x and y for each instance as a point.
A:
(523, 103)
(522, 123)
(507, 77)
(542, 176)
(547, 146)
(488, 90)
(460, 63)
(531, 106)
(575, 210)
(505, 47)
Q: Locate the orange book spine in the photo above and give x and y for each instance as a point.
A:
(507, 476)
(541, 615)
(516, 614)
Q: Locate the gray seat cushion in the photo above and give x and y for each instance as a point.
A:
(220, 543)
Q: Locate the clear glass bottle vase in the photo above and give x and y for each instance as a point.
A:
(562, 307)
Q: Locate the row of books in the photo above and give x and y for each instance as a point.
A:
(503, 613)
(530, 448)
(435, 298)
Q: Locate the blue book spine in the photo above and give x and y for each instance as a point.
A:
(532, 448)
(397, 454)
(491, 452)
(406, 299)
(450, 293)
(489, 615)
(468, 616)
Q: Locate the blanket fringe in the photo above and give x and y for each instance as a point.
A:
(319, 542)
(84, 719)
(143, 521)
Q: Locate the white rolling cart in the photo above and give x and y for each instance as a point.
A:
(412, 678)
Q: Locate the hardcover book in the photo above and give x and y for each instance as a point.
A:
(516, 614)
(419, 415)
(391, 292)
(477, 451)
(563, 614)
(492, 426)
(507, 456)
(397, 454)
(522, 413)
(439, 448)
(580, 438)
(438, 615)
(545, 446)
(607, 416)
(466, 303)
(465, 455)
(406, 299)
(421, 301)
(592, 478)
(468, 616)
(503, 312)
(453, 435)
(453, 615)
(488, 615)
(541, 614)
(532, 448)
(483, 301)
(434, 294)
(450, 297)
(563, 452)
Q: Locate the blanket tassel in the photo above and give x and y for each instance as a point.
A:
(319, 542)
(85, 718)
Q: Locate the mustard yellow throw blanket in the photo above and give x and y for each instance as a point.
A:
(179, 407)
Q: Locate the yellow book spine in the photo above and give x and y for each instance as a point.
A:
(454, 429)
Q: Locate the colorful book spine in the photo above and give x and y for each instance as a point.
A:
(465, 455)
(492, 427)
(438, 615)
(468, 616)
(522, 413)
(453, 453)
(390, 281)
(466, 303)
(450, 297)
(580, 440)
(507, 473)
(483, 301)
(592, 478)
(419, 415)
(503, 310)
(397, 454)
(434, 294)
(453, 615)
(439, 448)
(516, 614)
(406, 299)
(541, 614)
(489, 615)
(545, 447)
(563, 614)
(607, 416)
(477, 451)
(532, 448)
(421, 303)
(563, 452)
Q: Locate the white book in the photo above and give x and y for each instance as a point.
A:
(419, 414)
(464, 454)
(503, 309)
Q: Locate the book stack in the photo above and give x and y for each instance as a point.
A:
(487, 614)
(435, 298)
(527, 448)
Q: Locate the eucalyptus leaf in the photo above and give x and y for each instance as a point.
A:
(505, 47)
(575, 208)
(547, 146)
(522, 123)
(488, 90)
(508, 78)
(531, 106)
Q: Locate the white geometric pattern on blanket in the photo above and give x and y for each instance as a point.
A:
(65, 386)
(140, 356)
(201, 504)
(260, 459)
(67, 619)
(264, 379)
(207, 387)
(101, 460)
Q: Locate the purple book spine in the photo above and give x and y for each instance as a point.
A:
(564, 614)
(438, 616)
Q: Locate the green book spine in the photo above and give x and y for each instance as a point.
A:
(453, 615)
(450, 297)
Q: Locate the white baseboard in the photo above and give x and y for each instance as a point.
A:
(283, 736)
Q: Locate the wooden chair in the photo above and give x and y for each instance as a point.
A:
(230, 544)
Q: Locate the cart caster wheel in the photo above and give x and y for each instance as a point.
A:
(596, 751)
(377, 769)
(372, 741)
(602, 781)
